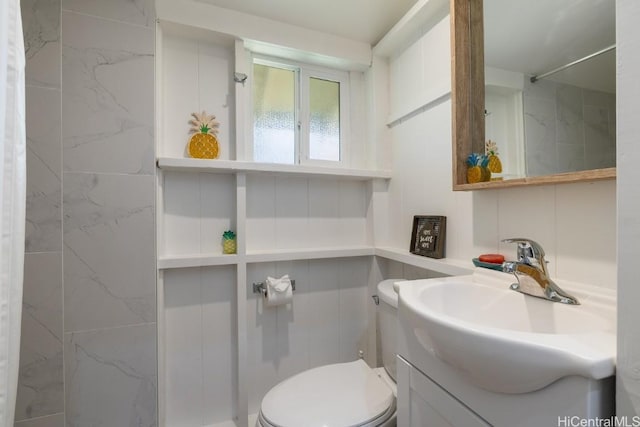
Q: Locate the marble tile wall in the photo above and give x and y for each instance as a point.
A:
(56, 420)
(40, 387)
(40, 383)
(107, 102)
(111, 377)
(88, 336)
(108, 211)
(109, 262)
(568, 128)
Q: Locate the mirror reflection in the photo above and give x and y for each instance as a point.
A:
(550, 85)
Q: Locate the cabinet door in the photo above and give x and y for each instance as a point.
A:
(421, 402)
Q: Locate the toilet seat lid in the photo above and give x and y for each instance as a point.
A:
(340, 395)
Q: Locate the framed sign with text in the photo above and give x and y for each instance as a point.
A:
(428, 236)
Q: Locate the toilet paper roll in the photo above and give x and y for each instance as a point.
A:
(279, 291)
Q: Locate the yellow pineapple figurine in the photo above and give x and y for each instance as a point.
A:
(491, 150)
(203, 143)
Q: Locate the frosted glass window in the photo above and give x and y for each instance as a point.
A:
(324, 120)
(274, 136)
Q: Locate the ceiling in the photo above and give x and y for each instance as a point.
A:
(526, 36)
(533, 37)
(361, 20)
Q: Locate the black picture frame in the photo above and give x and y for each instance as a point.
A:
(428, 235)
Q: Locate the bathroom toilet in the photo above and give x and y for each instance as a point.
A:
(343, 394)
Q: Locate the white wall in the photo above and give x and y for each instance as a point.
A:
(268, 36)
(575, 223)
(628, 70)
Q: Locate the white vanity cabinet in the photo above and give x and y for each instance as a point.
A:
(421, 402)
(433, 392)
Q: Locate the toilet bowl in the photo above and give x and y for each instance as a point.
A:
(343, 394)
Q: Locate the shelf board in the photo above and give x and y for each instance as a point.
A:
(451, 267)
(195, 260)
(232, 166)
(309, 253)
(445, 266)
(210, 260)
(559, 178)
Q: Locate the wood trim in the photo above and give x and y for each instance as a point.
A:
(460, 90)
(476, 78)
(561, 178)
(467, 76)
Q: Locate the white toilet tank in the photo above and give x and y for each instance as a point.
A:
(387, 318)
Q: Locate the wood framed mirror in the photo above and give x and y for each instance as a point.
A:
(468, 105)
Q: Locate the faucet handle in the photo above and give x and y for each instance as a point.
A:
(527, 249)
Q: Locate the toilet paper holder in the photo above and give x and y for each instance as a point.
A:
(261, 287)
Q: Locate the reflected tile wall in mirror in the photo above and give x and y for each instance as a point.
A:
(568, 128)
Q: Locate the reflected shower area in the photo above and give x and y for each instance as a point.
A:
(550, 91)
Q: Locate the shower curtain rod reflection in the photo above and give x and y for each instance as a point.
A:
(571, 64)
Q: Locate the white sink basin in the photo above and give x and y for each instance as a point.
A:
(507, 342)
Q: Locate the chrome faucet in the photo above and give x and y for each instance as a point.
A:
(531, 272)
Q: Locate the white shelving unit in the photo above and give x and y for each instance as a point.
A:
(280, 213)
(189, 231)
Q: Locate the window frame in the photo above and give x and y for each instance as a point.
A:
(303, 73)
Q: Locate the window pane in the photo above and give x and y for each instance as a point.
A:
(273, 114)
(324, 120)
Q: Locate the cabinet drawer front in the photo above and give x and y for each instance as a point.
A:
(421, 402)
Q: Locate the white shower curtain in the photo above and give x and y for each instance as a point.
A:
(12, 201)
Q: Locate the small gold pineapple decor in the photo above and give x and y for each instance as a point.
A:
(477, 168)
(203, 143)
(491, 150)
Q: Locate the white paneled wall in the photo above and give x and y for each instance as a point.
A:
(425, 76)
(201, 367)
(198, 208)
(326, 323)
(290, 213)
(575, 223)
(199, 72)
